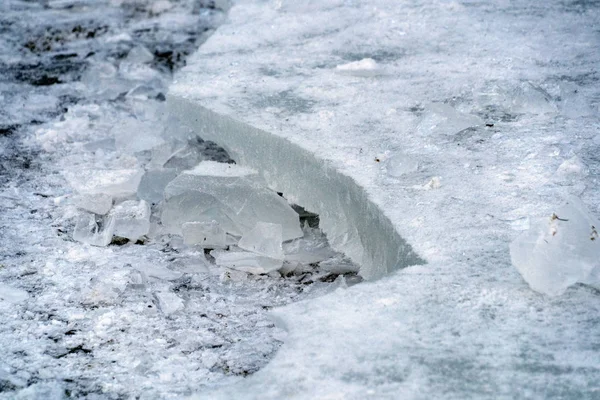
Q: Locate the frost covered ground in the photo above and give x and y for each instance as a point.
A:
(456, 122)
(82, 90)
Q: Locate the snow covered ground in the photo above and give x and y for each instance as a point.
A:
(426, 133)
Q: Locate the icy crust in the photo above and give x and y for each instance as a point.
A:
(479, 118)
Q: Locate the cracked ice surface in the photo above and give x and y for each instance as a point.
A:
(497, 103)
(85, 313)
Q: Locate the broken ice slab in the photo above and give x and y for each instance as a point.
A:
(97, 203)
(524, 97)
(114, 182)
(312, 248)
(401, 164)
(187, 156)
(196, 207)
(442, 119)
(106, 288)
(206, 234)
(153, 183)
(236, 191)
(158, 272)
(264, 239)
(131, 219)
(102, 80)
(93, 230)
(133, 136)
(245, 261)
(12, 295)
(558, 251)
(168, 302)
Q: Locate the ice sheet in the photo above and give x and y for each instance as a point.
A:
(472, 91)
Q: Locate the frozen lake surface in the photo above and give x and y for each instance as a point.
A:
(426, 133)
(427, 136)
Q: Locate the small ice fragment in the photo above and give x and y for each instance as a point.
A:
(311, 248)
(105, 289)
(442, 119)
(139, 54)
(265, 239)
(206, 234)
(434, 183)
(12, 295)
(235, 191)
(136, 280)
(97, 203)
(401, 164)
(364, 67)
(96, 231)
(530, 98)
(558, 251)
(102, 80)
(114, 182)
(132, 219)
(133, 136)
(168, 302)
(159, 272)
(520, 99)
(247, 262)
(153, 183)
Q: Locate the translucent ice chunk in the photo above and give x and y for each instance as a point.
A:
(401, 164)
(245, 198)
(264, 239)
(522, 98)
(529, 98)
(247, 262)
(206, 234)
(186, 157)
(106, 288)
(311, 248)
(96, 231)
(197, 207)
(558, 251)
(159, 272)
(97, 203)
(440, 118)
(133, 135)
(12, 295)
(132, 219)
(139, 54)
(168, 302)
(102, 80)
(114, 182)
(153, 183)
